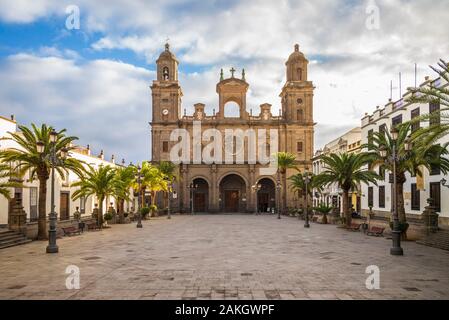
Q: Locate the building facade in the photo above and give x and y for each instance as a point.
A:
(416, 189)
(236, 184)
(331, 195)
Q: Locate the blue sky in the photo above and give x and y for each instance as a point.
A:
(95, 81)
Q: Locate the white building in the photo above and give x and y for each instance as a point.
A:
(379, 197)
(349, 142)
(65, 206)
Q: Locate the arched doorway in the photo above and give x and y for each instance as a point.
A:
(266, 196)
(200, 195)
(233, 194)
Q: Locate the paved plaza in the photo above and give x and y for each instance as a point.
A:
(223, 257)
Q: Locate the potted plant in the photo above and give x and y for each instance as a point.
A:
(403, 227)
(144, 212)
(324, 210)
(108, 217)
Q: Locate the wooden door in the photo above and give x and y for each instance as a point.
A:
(232, 200)
(435, 195)
(263, 202)
(64, 206)
(199, 202)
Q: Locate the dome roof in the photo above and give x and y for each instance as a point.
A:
(296, 55)
(167, 54)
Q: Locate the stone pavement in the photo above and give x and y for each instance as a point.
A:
(223, 257)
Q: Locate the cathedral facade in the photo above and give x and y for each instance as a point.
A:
(233, 184)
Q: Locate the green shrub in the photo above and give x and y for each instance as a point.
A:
(108, 216)
(144, 211)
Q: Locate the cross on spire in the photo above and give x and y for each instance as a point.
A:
(167, 45)
(232, 72)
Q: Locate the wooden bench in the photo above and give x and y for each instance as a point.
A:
(354, 227)
(315, 219)
(92, 226)
(69, 231)
(375, 231)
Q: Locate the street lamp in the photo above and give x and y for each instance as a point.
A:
(55, 160)
(139, 205)
(169, 185)
(306, 178)
(256, 189)
(278, 188)
(396, 249)
(192, 187)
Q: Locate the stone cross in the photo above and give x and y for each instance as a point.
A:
(232, 72)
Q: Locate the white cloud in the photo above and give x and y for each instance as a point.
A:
(351, 65)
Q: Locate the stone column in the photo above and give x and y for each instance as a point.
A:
(17, 218)
(184, 196)
(213, 194)
(252, 204)
(430, 217)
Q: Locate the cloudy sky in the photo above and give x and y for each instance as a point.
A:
(95, 80)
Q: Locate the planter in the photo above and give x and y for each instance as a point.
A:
(324, 220)
(403, 227)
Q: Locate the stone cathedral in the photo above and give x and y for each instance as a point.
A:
(234, 187)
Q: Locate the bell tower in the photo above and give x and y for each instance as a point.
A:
(297, 131)
(166, 103)
(297, 93)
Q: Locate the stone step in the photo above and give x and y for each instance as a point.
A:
(11, 236)
(438, 239)
(6, 231)
(14, 243)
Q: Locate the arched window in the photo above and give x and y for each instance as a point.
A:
(299, 72)
(299, 115)
(165, 73)
(231, 110)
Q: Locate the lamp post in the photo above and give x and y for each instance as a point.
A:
(54, 159)
(278, 188)
(306, 178)
(139, 199)
(396, 249)
(256, 189)
(192, 186)
(168, 200)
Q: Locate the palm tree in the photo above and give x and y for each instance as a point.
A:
(6, 181)
(298, 185)
(421, 155)
(123, 182)
(433, 94)
(285, 160)
(153, 180)
(347, 170)
(168, 169)
(99, 183)
(28, 159)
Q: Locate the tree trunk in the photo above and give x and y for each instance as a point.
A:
(42, 220)
(100, 212)
(346, 212)
(121, 208)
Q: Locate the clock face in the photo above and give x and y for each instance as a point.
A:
(165, 112)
